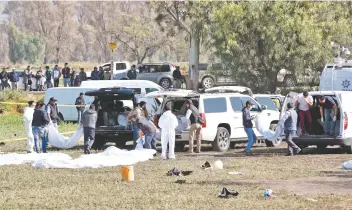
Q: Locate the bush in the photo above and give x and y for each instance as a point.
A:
(13, 96)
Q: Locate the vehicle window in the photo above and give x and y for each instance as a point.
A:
(121, 66)
(277, 103)
(149, 90)
(236, 104)
(267, 102)
(202, 66)
(106, 67)
(165, 68)
(255, 107)
(136, 90)
(215, 105)
(153, 69)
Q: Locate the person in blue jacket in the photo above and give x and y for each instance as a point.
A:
(14, 78)
(95, 74)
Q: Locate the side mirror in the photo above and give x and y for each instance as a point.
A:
(264, 107)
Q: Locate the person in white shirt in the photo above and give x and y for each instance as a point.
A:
(304, 103)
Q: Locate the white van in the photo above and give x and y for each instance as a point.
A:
(222, 112)
(66, 98)
(141, 87)
(343, 130)
(337, 77)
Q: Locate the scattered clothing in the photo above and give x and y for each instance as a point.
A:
(228, 193)
(206, 165)
(177, 172)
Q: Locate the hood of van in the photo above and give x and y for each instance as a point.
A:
(173, 93)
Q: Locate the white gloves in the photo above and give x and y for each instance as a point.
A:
(322, 119)
(334, 118)
(253, 117)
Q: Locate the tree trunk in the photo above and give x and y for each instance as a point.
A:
(194, 58)
(57, 54)
(45, 53)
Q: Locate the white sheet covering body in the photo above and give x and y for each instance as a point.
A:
(58, 140)
(262, 124)
(112, 156)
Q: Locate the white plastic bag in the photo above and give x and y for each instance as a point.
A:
(58, 140)
(262, 124)
(140, 142)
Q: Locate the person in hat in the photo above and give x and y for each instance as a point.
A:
(80, 104)
(248, 126)
(89, 120)
(52, 111)
(192, 114)
(289, 120)
(28, 117)
(39, 127)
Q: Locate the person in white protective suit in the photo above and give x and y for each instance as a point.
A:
(168, 123)
(28, 117)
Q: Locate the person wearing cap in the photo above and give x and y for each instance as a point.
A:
(56, 75)
(289, 121)
(192, 114)
(132, 73)
(14, 78)
(28, 118)
(89, 120)
(66, 72)
(168, 123)
(95, 74)
(328, 112)
(304, 103)
(52, 111)
(26, 78)
(80, 105)
(39, 127)
(248, 126)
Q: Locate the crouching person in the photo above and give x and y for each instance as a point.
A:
(89, 121)
(39, 127)
(149, 131)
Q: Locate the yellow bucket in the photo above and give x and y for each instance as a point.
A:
(127, 173)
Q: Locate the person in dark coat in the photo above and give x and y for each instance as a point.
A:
(39, 127)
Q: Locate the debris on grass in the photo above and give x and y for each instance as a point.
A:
(228, 193)
(235, 173)
(178, 172)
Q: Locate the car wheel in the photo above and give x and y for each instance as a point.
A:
(289, 81)
(267, 142)
(208, 82)
(98, 143)
(179, 146)
(165, 83)
(222, 140)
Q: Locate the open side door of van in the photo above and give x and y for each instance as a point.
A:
(343, 115)
(290, 98)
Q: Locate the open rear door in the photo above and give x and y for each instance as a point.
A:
(290, 98)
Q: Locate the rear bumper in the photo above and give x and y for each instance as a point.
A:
(113, 135)
(325, 140)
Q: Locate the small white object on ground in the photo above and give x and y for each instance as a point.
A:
(235, 173)
(347, 165)
(218, 165)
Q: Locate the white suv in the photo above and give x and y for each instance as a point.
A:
(222, 113)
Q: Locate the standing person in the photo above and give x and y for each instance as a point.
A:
(28, 117)
(328, 111)
(52, 111)
(26, 78)
(82, 75)
(73, 76)
(95, 74)
(133, 117)
(80, 105)
(290, 127)
(132, 73)
(48, 77)
(168, 123)
(56, 75)
(192, 114)
(89, 120)
(14, 78)
(101, 72)
(39, 127)
(248, 126)
(304, 103)
(77, 81)
(107, 75)
(38, 77)
(4, 79)
(149, 131)
(66, 72)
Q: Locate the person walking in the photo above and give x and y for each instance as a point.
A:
(168, 123)
(192, 114)
(289, 120)
(26, 78)
(73, 77)
(248, 126)
(132, 73)
(95, 74)
(56, 75)
(14, 78)
(48, 77)
(52, 111)
(89, 120)
(80, 105)
(149, 131)
(4, 77)
(28, 117)
(82, 75)
(304, 103)
(328, 112)
(66, 72)
(39, 127)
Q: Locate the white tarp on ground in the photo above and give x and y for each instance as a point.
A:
(58, 140)
(347, 165)
(262, 123)
(112, 156)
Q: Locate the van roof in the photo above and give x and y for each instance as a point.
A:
(210, 95)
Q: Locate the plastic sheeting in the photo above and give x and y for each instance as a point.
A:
(347, 165)
(58, 140)
(262, 124)
(112, 156)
